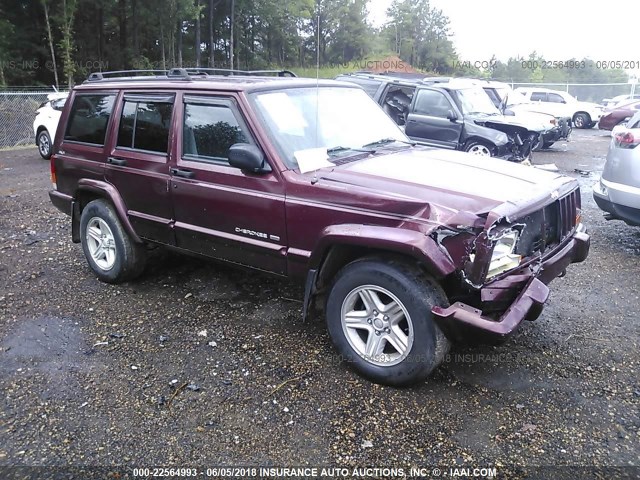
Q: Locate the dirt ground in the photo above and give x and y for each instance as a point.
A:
(200, 364)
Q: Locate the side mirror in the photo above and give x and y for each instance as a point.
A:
(509, 113)
(451, 116)
(248, 158)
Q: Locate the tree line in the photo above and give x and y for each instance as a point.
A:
(58, 42)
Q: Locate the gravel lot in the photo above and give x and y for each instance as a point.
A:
(201, 364)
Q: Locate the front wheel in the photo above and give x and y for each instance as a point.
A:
(44, 145)
(111, 253)
(379, 318)
(477, 147)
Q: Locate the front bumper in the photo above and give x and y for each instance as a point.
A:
(463, 323)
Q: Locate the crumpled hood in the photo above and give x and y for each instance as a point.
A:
(455, 181)
(556, 109)
(542, 121)
(516, 121)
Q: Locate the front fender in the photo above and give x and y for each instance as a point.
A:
(472, 129)
(411, 243)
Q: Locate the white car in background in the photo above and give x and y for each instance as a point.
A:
(583, 114)
(46, 122)
(616, 101)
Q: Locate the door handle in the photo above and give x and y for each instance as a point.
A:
(121, 162)
(178, 172)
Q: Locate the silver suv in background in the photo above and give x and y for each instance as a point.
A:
(618, 190)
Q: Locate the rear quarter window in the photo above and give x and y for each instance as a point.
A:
(89, 117)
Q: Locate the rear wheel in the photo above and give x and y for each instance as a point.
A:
(581, 120)
(44, 145)
(111, 253)
(477, 147)
(547, 144)
(379, 318)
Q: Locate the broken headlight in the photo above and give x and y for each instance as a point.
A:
(502, 257)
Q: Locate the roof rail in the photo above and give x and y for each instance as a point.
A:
(228, 71)
(179, 73)
(98, 76)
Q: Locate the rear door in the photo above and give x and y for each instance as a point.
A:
(221, 211)
(82, 149)
(138, 163)
(428, 120)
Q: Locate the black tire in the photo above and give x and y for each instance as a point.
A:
(129, 257)
(417, 293)
(472, 145)
(581, 120)
(45, 149)
(547, 144)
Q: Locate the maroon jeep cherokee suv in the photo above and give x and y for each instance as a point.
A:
(412, 247)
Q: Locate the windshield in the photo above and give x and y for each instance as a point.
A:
(306, 122)
(474, 101)
(513, 97)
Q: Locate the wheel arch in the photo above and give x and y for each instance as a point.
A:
(89, 190)
(39, 131)
(342, 244)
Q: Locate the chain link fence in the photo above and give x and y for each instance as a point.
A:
(586, 92)
(17, 113)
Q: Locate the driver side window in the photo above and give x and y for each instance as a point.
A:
(209, 130)
(432, 103)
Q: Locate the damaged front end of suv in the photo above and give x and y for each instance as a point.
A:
(521, 141)
(505, 262)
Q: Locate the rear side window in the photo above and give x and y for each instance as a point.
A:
(555, 98)
(209, 131)
(145, 124)
(538, 96)
(89, 118)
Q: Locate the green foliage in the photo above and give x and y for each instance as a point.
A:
(94, 35)
(420, 35)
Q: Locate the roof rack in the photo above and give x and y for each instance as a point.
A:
(179, 73)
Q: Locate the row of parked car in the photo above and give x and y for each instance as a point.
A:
(478, 116)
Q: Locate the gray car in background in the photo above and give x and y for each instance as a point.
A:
(618, 191)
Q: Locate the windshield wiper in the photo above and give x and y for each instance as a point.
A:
(339, 149)
(386, 141)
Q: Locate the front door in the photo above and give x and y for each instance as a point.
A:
(429, 120)
(219, 210)
(138, 163)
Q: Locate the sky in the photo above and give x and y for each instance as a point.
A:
(556, 29)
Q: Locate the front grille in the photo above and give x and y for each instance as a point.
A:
(546, 228)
